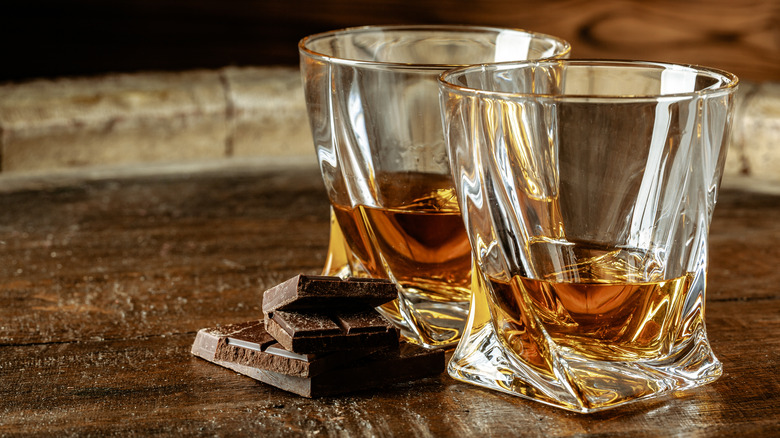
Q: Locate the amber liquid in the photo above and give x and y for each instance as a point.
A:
(417, 237)
(601, 320)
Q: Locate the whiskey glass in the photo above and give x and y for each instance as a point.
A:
(373, 105)
(587, 189)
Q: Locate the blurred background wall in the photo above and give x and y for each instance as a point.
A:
(90, 83)
(54, 38)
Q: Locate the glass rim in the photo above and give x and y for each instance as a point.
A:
(464, 28)
(728, 81)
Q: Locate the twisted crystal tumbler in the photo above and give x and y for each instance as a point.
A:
(373, 105)
(587, 189)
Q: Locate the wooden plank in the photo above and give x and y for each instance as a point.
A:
(105, 282)
(112, 259)
(744, 246)
(153, 384)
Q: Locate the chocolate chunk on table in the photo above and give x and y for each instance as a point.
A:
(323, 332)
(248, 344)
(320, 293)
(207, 340)
(410, 362)
(381, 368)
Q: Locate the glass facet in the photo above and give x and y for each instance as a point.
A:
(372, 99)
(587, 189)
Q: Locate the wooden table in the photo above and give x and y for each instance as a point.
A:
(104, 283)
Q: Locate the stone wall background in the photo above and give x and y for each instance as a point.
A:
(152, 117)
(237, 113)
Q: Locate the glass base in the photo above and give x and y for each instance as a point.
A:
(427, 323)
(581, 385)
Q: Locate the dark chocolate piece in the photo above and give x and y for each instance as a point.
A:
(410, 362)
(321, 293)
(320, 332)
(386, 367)
(248, 344)
(208, 339)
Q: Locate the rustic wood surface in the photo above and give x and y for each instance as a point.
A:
(104, 283)
(87, 37)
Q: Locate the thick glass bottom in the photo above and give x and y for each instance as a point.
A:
(571, 381)
(427, 323)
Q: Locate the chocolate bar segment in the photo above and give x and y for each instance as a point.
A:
(379, 369)
(408, 363)
(318, 332)
(249, 345)
(362, 322)
(321, 293)
(208, 340)
(252, 334)
(305, 324)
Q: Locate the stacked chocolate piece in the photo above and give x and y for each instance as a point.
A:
(320, 336)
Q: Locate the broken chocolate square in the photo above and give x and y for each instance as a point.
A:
(323, 332)
(320, 336)
(248, 344)
(319, 293)
(378, 369)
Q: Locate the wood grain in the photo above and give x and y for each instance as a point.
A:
(51, 38)
(134, 258)
(105, 282)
